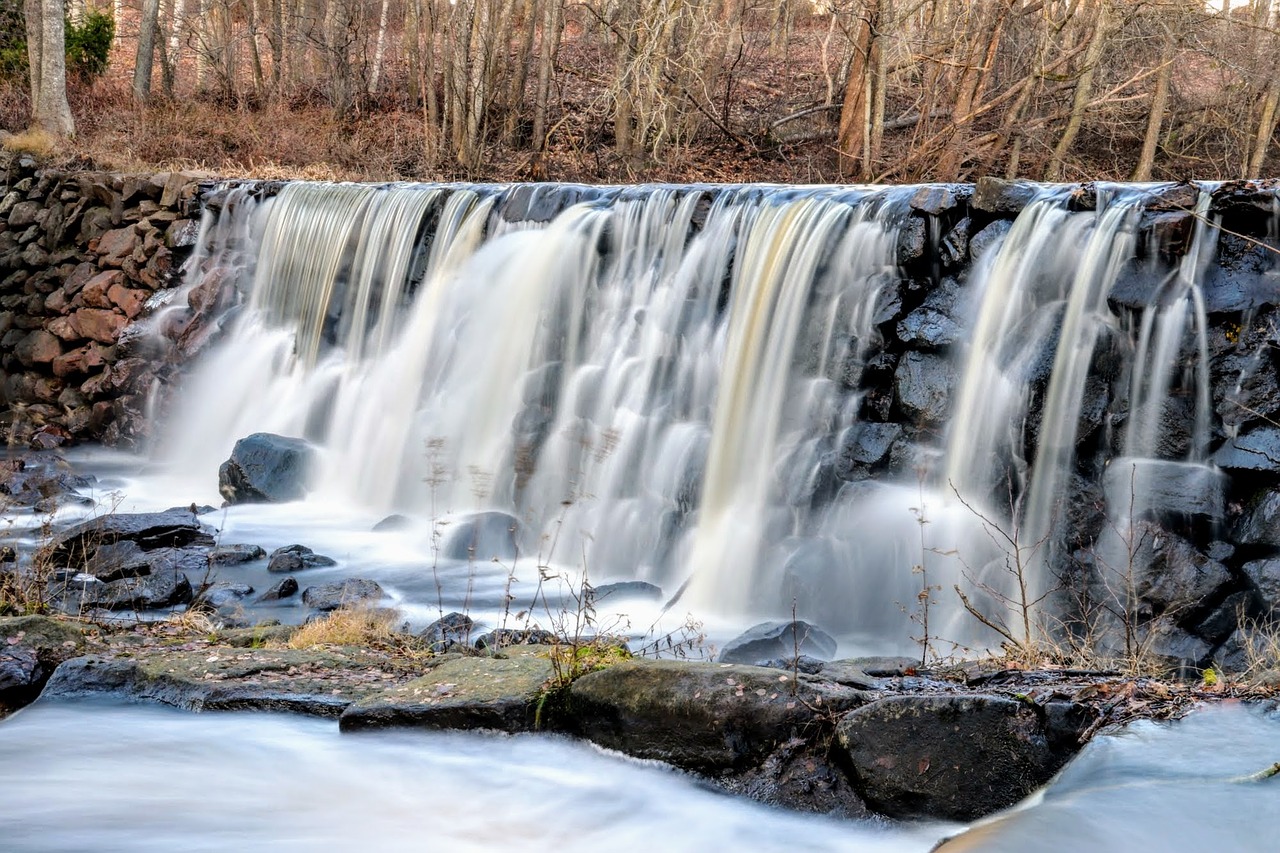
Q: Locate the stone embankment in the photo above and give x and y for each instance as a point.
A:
(82, 256)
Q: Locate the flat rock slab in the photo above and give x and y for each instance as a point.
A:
(951, 757)
(463, 693)
(174, 528)
(321, 682)
(708, 718)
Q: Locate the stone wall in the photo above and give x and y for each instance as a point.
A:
(81, 254)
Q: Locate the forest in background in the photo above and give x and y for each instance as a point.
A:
(680, 90)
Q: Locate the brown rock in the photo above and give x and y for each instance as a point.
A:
(128, 301)
(64, 328)
(114, 246)
(99, 324)
(79, 361)
(79, 277)
(38, 347)
(94, 293)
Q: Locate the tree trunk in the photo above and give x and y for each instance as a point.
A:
(46, 56)
(1083, 93)
(1159, 102)
(147, 26)
(854, 136)
(380, 48)
(548, 50)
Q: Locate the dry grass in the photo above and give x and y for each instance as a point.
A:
(34, 141)
(375, 627)
(1260, 641)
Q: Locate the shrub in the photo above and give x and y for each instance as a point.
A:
(89, 44)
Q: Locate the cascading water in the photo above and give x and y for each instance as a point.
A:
(662, 383)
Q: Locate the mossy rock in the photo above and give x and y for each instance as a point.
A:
(704, 717)
(501, 693)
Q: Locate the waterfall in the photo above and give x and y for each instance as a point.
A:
(671, 383)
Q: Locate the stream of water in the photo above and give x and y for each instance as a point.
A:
(77, 776)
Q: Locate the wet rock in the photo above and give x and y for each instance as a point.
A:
(483, 537)
(1227, 616)
(284, 588)
(935, 199)
(627, 591)
(799, 777)
(996, 195)
(30, 648)
(295, 558)
(1259, 523)
(988, 237)
(1245, 389)
(866, 444)
(266, 468)
(1170, 575)
(160, 589)
(1264, 576)
(778, 639)
(117, 560)
(224, 594)
(697, 716)
(173, 528)
(20, 675)
(233, 555)
(500, 638)
(923, 384)
(38, 347)
(331, 596)
(393, 522)
(452, 629)
(1182, 653)
(803, 663)
(304, 681)
(1256, 450)
(913, 240)
(949, 757)
(1167, 491)
(464, 693)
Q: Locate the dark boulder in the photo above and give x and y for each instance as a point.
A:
(295, 558)
(996, 195)
(708, 719)
(483, 537)
(1165, 490)
(771, 640)
(1256, 450)
(1259, 523)
(627, 591)
(923, 384)
(331, 596)
(175, 528)
(284, 588)
(949, 757)
(1264, 577)
(452, 629)
(500, 638)
(988, 237)
(231, 555)
(226, 594)
(266, 468)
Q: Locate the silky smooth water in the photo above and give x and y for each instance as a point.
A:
(78, 776)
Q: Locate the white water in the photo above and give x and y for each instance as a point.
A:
(101, 777)
(109, 777)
